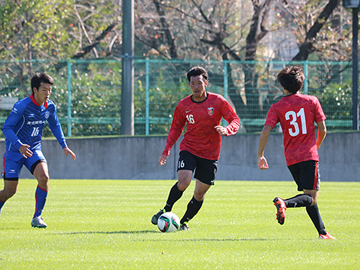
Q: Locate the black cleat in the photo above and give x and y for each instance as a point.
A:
(154, 219)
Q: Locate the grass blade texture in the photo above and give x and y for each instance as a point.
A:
(105, 224)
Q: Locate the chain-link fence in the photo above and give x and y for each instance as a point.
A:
(87, 93)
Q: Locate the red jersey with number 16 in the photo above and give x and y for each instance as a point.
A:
(201, 138)
(297, 114)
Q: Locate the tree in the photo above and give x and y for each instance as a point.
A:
(29, 30)
(56, 30)
(307, 46)
(211, 28)
(236, 33)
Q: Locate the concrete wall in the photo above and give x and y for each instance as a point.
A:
(137, 158)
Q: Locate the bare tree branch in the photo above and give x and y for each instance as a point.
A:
(88, 48)
(166, 29)
(307, 46)
(84, 30)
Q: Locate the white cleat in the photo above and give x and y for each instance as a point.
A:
(38, 222)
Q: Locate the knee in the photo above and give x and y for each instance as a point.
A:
(183, 184)
(314, 201)
(199, 196)
(43, 181)
(184, 179)
(313, 194)
(9, 192)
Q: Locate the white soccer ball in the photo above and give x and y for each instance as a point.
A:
(168, 222)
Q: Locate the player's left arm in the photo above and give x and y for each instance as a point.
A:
(321, 133)
(67, 152)
(56, 129)
(230, 116)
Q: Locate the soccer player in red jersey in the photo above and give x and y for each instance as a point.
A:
(297, 114)
(200, 149)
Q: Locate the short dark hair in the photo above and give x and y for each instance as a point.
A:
(291, 78)
(39, 78)
(197, 71)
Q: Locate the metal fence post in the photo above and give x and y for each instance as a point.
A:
(225, 80)
(147, 102)
(69, 97)
(306, 73)
(355, 74)
(223, 121)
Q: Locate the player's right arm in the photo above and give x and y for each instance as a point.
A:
(25, 151)
(162, 159)
(271, 120)
(176, 129)
(15, 116)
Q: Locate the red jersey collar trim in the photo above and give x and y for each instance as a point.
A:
(37, 104)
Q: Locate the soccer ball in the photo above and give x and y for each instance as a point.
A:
(168, 222)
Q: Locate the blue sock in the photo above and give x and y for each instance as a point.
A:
(40, 197)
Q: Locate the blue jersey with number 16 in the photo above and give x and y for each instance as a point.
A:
(25, 124)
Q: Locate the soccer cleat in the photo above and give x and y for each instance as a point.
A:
(154, 219)
(184, 227)
(281, 210)
(38, 222)
(326, 236)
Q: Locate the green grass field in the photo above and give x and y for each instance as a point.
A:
(105, 224)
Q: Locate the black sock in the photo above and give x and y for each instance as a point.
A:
(193, 208)
(314, 214)
(174, 195)
(299, 200)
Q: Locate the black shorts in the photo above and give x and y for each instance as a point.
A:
(306, 175)
(205, 169)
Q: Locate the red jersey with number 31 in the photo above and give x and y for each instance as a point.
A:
(297, 114)
(201, 138)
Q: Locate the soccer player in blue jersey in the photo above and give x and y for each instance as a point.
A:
(23, 130)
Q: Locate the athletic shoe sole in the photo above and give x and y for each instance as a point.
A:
(281, 209)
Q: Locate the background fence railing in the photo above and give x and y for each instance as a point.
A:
(87, 93)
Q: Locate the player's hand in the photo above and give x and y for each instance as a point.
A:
(262, 163)
(162, 159)
(25, 151)
(221, 130)
(68, 152)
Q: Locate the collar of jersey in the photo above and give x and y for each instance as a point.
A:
(207, 95)
(37, 104)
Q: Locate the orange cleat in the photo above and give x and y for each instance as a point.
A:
(281, 210)
(326, 236)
